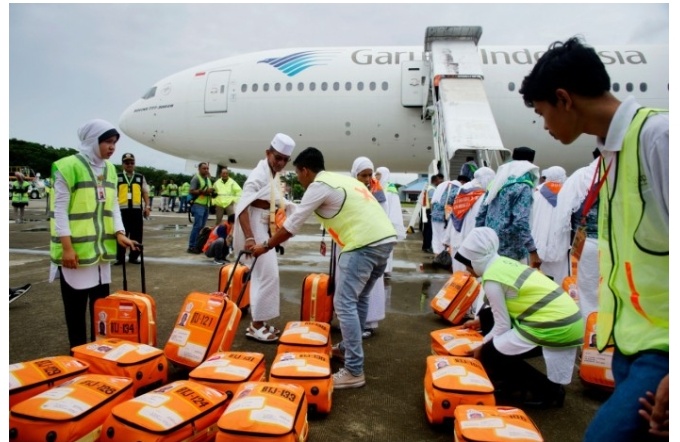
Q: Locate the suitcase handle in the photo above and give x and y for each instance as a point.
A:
(142, 270)
(331, 270)
(231, 275)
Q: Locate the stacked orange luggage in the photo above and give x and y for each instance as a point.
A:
(312, 371)
(595, 369)
(455, 298)
(228, 370)
(306, 336)
(474, 423)
(455, 341)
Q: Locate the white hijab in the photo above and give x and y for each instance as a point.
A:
(480, 247)
(483, 176)
(516, 169)
(361, 164)
(555, 174)
(384, 177)
(573, 193)
(89, 135)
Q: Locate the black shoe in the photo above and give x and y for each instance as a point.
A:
(18, 292)
(550, 397)
(194, 250)
(117, 263)
(136, 261)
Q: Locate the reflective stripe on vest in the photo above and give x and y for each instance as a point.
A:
(634, 256)
(226, 193)
(90, 221)
(361, 220)
(203, 184)
(20, 197)
(542, 312)
(136, 183)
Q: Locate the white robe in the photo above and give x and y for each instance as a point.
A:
(545, 229)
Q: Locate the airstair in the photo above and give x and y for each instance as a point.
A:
(456, 102)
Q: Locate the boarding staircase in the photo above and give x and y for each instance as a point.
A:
(456, 102)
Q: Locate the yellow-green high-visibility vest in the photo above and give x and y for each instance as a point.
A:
(17, 195)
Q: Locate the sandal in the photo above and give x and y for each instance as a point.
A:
(367, 333)
(271, 328)
(261, 334)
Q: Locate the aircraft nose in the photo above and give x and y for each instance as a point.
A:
(130, 125)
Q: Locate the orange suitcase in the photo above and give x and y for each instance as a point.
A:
(27, 379)
(316, 303)
(455, 341)
(596, 368)
(145, 365)
(234, 280)
(474, 423)
(265, 412)
(312, 371)
(127, 315)
(207, 324)
(73, 411)
(226, 371)
(456, 297)
(183, 411)
(305, 336)
(451, 381)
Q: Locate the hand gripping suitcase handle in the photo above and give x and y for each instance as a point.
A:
(142, 269)
(233, 272)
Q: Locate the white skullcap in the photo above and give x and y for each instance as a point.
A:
(283, 144)
(479, 247)
(361, 164)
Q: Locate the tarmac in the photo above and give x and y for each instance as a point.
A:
(391, 405)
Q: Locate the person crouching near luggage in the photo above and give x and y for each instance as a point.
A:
(342, 204)
(531, 313)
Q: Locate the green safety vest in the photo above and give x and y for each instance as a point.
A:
(91, 222)
(361, 221)
(184, 189)
(226, 193)
(172, 189)
(17, 195)
(203, 184)
(134, 188)
(634, 253)
(152, 191)
(542, 312)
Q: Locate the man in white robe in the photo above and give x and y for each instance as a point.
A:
(255, 221)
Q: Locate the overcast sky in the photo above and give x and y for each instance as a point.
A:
(70, 63)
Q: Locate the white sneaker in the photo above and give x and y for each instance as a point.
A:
(344, 379)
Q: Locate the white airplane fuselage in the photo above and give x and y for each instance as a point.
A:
(227, 111)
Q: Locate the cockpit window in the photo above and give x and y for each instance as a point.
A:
(150, 93)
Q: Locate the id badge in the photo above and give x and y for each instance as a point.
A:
(129, 196)
(101, 193)
(579, 242)
(322, 248)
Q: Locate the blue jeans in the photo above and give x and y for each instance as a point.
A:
(618, 420)
(358, 271)
(183, 203)
(200, 214)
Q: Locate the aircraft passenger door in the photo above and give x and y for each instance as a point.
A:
(414, 83)
(216, 91)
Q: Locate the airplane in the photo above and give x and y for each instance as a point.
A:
(360, 101)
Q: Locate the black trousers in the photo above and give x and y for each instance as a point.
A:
(133, 220)
(75, 308)
(512, 373)
(427, 231)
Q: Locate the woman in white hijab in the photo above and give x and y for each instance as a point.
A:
(530, 313)
(89, 180)
(393, 210)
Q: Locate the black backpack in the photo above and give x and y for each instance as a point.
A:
(203, 236)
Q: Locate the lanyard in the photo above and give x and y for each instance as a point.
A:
(594, 190)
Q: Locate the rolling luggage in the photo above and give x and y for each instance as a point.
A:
(234, 280)
(127, 315)
(475, 423)
(206, 324)
(595, 369)
(455, 341)
(180, 411)
(27, 379)
(145, 365)
(266, 412)
(451, 381)
(73, 411)
(316, 303)
(454, 299)
(311, 371)
(228, 370)
(306, 336)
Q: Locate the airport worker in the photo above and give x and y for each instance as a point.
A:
(465, 208)
(394, 212)
(576, 214)
(256, 214)
(531, 315)
(227, 193)
(507, 207)
(201, 190)
(443, 196)
(86, 226)
(469, 168)
(217, 245)
(362, 170)
(426, 211)
(133, 200)
(184, 194)
(20, 189)
(164, 196)
(173, 193)
(544, 227)
(152, 194)
(342, 205)
(569, 88)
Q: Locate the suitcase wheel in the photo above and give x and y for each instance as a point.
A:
(110, 432)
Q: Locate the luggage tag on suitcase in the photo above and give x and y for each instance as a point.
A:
(493, 424)
(226, 371)
(312, 371)
(455, 341)
(306, 336)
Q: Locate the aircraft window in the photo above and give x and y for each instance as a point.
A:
(277, 87)
(312, 86)
(629, 87)
(643, 87)
(265, 87)
(615, 87)
(348, 86)
(511, 86)
(336, 86)
(221, 89)
(289, 87)
(254, 87)
(324, 86)
(244, 87)
(371, 85)
(301, 86)
(150, 93)
(360, 85)
(384, 85)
